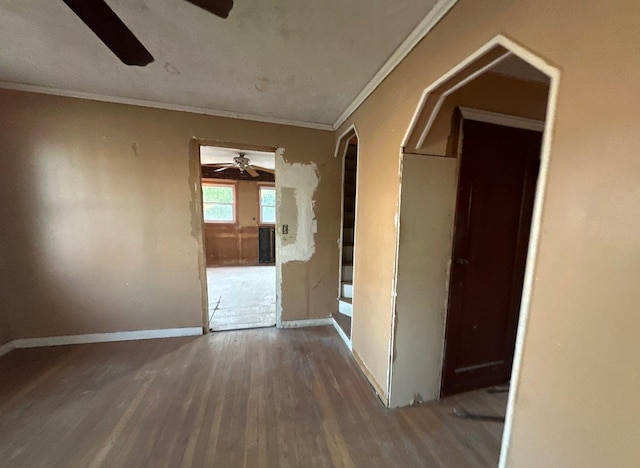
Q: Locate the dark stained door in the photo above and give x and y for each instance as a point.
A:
(266, 245)
(498, 174)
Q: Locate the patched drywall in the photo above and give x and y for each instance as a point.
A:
(297, 185)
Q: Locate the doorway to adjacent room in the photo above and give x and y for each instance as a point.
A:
(239, 214)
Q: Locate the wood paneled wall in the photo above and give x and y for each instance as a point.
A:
(235, 244)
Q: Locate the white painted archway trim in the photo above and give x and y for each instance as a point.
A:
(342, 145)
(341, 139)
(534, 240)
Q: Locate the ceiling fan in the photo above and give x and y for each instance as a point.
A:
(110, 29)
(242, 163)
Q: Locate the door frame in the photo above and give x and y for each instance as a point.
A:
(197, 217)
(495, 118)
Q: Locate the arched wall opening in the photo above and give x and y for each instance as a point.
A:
(347, 149)
(501, 83)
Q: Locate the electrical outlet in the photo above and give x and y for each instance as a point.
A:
(285, 229)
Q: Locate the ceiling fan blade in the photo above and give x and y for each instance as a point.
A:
(264, 169)
(110, 29)
(219, 8)
(223, 168)
(252, 172)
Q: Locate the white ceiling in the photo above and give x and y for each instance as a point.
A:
(216, 155)
(299, 60)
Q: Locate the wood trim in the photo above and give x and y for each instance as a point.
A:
(372, 381)
(502, 119)
(104, 337)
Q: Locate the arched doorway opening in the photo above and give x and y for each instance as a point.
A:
(347, 150)
(449, 191)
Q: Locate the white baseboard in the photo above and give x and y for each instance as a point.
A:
(102, 337)
(306, 323)
(342, 334)
(5, 348)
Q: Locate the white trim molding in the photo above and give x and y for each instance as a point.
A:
(502, 119)
(161, 105)
(340, 140)
(104, 337)
(342, 334)
(451, 90)
(439, 10)
(554, 73)
(306, 323)
(5, 348)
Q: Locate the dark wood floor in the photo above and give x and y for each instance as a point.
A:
(253, 398)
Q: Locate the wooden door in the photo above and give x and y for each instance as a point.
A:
(498, 173)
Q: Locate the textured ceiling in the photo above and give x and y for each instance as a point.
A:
(301, 60)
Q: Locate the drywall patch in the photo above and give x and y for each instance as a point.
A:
(297, 184)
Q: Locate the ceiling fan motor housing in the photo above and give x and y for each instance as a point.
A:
(242, 161)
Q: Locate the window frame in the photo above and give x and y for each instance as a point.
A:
(260, 188)
(234, 204)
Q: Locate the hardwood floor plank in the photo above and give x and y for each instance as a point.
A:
(249, 398)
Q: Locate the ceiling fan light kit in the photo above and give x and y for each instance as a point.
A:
(111, 30)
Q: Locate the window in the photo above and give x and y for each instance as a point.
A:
(267, 205)
(218, 203)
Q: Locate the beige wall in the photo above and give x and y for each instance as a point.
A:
(100, 221)
(582, 334)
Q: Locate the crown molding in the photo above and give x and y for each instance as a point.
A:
(440, 9)
(160, 105)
